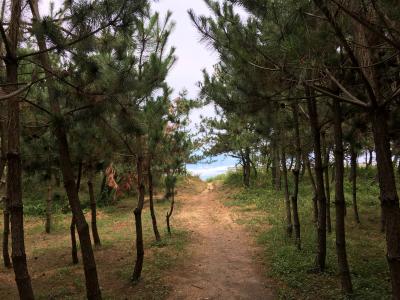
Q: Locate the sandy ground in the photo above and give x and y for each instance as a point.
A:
(222, 263)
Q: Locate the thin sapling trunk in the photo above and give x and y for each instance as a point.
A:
(152, 210)
(289, 225)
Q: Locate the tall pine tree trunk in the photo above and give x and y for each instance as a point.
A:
(72, 228)
(388, 195)
(93, 210)
(89, 263)
(296, 176)
(314, 199)
(152, 210)
(138, 213)
(289, 225)
(343, 265)
(6, 205)
(319, 178)
(353, 174)
(6, 232)
(3, 145)
(49, 205)
(14, 173)
(326, 151)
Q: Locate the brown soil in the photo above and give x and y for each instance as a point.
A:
(222, 261)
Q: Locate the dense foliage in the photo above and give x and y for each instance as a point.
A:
(299, 86)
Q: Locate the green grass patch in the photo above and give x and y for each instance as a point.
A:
(293, 268)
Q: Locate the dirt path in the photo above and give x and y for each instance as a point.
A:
(221, 263)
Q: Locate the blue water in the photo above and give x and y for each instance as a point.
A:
(212, 167)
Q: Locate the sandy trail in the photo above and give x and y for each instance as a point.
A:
(221, 262)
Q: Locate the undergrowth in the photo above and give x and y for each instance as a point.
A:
(293, 269)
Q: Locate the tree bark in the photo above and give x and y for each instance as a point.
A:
(72, 228)
(296, 176)
(326, 151)
(314, 199)
(276, 170)
(388, 195)
(289, 225)
(6, 202)
(353, 174)
(319, 176)
(343, 265)
(246, 167)
(171, 210)
(14, 174)
(49, 206)
(152, 210)
(74, 247)
(138, 214)
(370, 157)
(93, 210)
(89, 263)
(3, 146)
(6, 233)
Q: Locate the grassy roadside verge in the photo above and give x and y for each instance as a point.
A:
(262, 210)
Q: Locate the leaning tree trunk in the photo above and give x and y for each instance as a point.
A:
(171, 210)
(89, 263)
(93, 210)
(296, 176)
(326, 151)
(289, 225)
(343, 265)
(353, 175)
(138, 213)
(388, 195)
(152, 210)
(14, 172)
(319, 176)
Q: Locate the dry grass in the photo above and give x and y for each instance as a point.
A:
(55, 277)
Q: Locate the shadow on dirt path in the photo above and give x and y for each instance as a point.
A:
(221, 263)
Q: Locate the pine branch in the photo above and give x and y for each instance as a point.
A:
(19, 91)
(85, 36)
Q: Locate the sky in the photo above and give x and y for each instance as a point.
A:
(193, 56)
